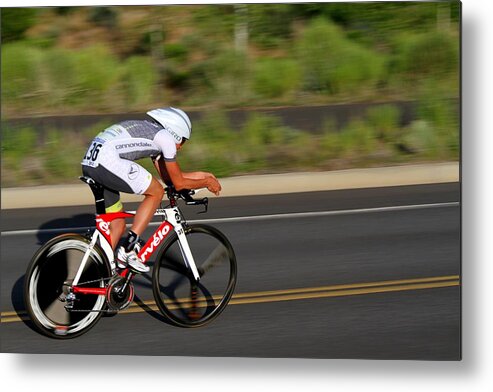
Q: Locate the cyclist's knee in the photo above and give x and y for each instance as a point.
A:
(155, 189)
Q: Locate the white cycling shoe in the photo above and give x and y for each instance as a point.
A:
(131, 260)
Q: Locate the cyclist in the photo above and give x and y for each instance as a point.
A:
(110, 160)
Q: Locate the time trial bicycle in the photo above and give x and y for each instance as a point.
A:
(73, 279)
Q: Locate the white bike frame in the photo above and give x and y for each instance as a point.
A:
(173, 220)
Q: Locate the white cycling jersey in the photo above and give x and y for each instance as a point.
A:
(130, 140)
(111, 155)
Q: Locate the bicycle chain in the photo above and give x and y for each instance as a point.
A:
(94, 281)
(91, 310)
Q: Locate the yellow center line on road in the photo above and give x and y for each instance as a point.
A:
(298, 291)
(341, 290)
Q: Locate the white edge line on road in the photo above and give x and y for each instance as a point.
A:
(255, 217)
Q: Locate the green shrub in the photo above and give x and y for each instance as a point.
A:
(213, 128)
(334, 64)
(385, 120)
(176, 77)
(61, 70)
(356, 139)
(420, 137)
(18, 142)
(20, 72)
(428, 140)
(255, 139)
(276, 77)
(64, 78)
(442, 115)
(199, 85)
(98, 72)
(437, 108)
(140, 79)
(452, 142)
(331, 145)
(46, 39)
(176, 51)
(267, 144)
(229, 74)
(62, 156)
(19, 151)
(270, 24)
(434, 54)
(213, 146)
(54, 77)
(65, 11)
(262, 130)
(329, 139)
(15, 22)
(103, 16)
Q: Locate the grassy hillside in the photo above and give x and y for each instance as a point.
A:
(112, 59)
(75, 60)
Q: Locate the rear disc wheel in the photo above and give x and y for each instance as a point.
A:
(47, 287)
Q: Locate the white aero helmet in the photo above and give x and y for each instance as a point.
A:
(175, 121)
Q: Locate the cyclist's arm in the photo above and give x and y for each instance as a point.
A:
(161, 169)
(163, 172)
(169, 169)
(191, 180)
(199, 175)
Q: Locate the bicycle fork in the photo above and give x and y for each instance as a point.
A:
(186, 252)
(174, 217)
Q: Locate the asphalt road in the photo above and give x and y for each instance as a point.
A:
(416, 243)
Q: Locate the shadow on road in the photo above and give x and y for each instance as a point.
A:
(17, 298)
(147, 282)
(77, 223)
(158, 316)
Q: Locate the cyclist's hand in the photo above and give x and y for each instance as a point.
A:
(211, 175)
(207, 175)
(213, 185)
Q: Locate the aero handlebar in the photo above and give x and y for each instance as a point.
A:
(185, 194)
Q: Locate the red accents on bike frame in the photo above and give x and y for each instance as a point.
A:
(115, 215)
(103, 222)
(89, 290)
(153, 243)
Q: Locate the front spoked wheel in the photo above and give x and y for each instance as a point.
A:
(48, 282)
(184, 302)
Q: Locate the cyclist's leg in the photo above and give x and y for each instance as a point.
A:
(128, 176)
(153, 196)
(138, 180)
(113, 184)
(117, 226)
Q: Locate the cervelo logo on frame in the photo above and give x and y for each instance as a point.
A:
(155, 241)
(103, 226)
